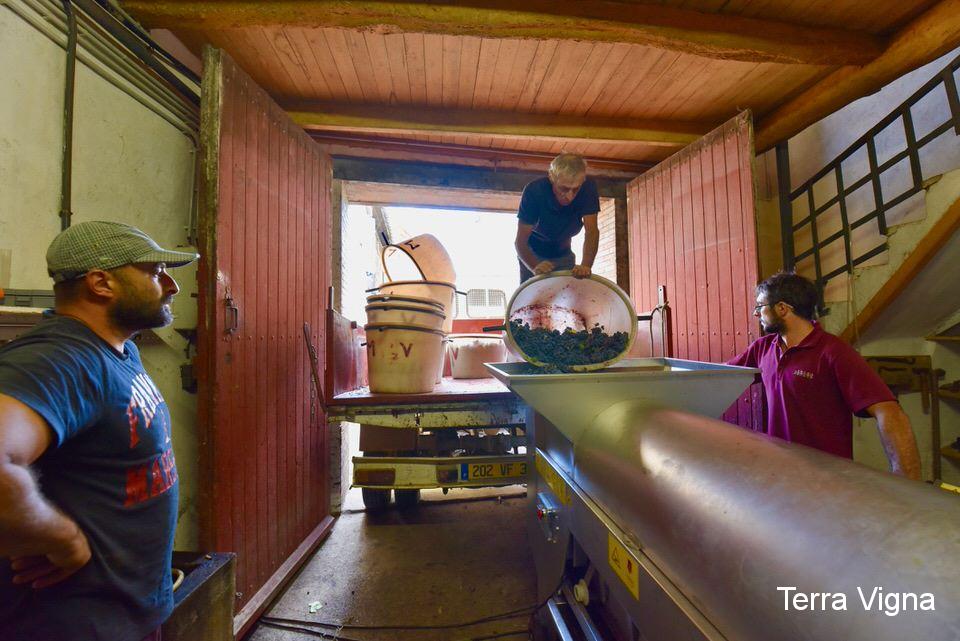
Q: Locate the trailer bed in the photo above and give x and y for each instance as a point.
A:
(449, 390)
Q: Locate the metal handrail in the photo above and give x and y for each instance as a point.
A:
(789, 228)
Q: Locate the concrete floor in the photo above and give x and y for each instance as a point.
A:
(453, 559)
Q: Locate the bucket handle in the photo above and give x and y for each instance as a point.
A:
(495, 328)
(374, 289)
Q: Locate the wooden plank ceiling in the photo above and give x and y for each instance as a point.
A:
(630, 81)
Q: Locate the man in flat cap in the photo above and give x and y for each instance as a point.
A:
(88, 481)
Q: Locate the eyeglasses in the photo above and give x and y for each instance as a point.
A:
(756, 310)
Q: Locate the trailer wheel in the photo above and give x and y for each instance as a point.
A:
(375, 499)
(406, 498)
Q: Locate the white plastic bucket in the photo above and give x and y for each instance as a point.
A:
(441, 292)
(422, 256)
(560, 301)
(402, 359)
(405, 315)
(468, 353)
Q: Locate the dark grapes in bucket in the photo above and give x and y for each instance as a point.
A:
(561, 350)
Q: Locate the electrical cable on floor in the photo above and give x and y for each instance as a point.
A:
(321, 634)
(500, 635)
(440, 626)
(296, 625)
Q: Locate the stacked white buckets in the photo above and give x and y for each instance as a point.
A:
(409, 318)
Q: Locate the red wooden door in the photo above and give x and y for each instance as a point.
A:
(692, 228)
(265, 233)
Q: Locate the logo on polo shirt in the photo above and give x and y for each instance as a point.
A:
(803, 374)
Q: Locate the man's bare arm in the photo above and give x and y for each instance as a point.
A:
(897, 438)
(46, 546)
(526, 255)
(591, 244)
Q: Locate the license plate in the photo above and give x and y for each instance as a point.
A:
(481, 471)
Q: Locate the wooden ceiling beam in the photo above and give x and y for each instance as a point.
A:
(711, 35)
(390, 195)
(926, 38)
(341, 145)
(395, 119)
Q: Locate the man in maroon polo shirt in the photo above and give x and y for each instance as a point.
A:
(814, 382)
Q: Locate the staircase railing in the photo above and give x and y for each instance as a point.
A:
(883, 203)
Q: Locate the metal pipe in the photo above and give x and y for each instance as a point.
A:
(786, 205)
(935, 424)
(124, 19)
(735, 519)
(48, 23)
(66, 169)
(557, 619)
(135, 44)
(590, 632)
(105, 58)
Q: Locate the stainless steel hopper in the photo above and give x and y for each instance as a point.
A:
(572, 401)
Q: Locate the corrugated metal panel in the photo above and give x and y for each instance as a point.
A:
(266, 233)
(692, 229)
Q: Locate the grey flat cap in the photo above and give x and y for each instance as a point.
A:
(105, 245)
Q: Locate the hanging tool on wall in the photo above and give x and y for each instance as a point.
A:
(314, 366)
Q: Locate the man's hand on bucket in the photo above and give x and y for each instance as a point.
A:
(543, 267)
(582, 271)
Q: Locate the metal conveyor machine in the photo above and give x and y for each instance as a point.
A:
(649, 521)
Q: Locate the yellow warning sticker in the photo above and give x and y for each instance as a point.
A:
(553, 479)
(624, 565)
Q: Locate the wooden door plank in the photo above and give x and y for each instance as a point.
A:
(300, 196)
(689, 253)
(228, 231)
(284, 307)
(273, 374)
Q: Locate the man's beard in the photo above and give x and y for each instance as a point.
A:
(132, 313)
(777, 327)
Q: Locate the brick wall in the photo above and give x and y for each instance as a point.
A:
(606, 262)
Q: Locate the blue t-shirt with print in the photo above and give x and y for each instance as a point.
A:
(554, 225)
(110, 468)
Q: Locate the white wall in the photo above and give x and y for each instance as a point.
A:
(130, 165)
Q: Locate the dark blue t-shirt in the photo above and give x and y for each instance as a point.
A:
(553, 225)
(111, 469)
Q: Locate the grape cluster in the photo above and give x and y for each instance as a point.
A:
(562, 350)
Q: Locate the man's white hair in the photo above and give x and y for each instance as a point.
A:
(567, 166)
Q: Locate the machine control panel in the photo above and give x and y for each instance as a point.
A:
(548, 515)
